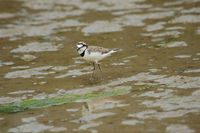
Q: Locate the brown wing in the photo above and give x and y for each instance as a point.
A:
(98, 49)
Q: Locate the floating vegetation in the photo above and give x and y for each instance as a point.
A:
(59, 100)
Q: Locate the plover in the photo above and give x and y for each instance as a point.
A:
(94, 54)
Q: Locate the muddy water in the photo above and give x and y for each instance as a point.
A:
(159, 63)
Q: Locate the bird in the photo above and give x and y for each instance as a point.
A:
(94, 54)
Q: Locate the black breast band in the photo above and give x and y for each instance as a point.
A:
(82, 54)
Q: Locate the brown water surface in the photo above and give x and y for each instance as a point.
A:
(160, 61)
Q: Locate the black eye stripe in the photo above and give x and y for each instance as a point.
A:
(83, 45)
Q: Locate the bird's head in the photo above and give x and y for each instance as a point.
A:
(81, 47)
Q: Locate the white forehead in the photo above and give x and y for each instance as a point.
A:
(80, 44)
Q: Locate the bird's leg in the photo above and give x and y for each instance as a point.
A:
(99, 67)
(101, 71)
(93, 70)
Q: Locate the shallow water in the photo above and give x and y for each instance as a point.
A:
(158, 66)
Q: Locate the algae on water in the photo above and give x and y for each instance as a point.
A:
(59, 100)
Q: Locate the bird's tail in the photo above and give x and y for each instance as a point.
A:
(115, 50)
(111, 51)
